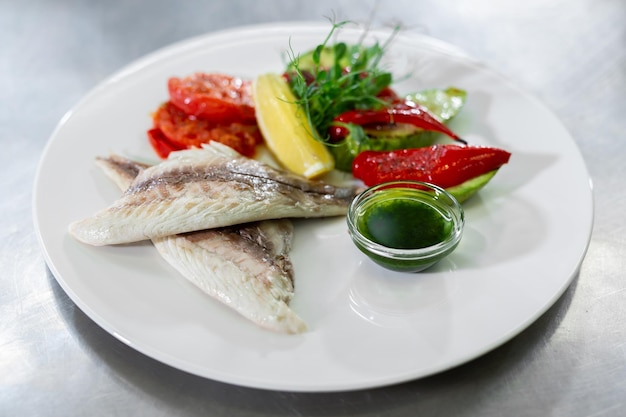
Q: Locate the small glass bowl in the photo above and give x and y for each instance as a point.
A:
(441, 212)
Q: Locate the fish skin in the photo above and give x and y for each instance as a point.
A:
(226, 265)
(200, 189)
(246, 267)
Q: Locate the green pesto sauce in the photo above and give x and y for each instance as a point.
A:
(404, 223)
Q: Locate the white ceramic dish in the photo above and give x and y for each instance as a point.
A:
(526, 233)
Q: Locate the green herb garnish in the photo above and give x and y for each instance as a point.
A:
(334, 78)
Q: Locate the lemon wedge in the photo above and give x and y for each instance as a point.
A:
(286, 130)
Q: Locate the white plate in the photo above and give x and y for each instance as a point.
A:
(526, 233)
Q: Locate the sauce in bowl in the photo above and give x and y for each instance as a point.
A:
(405, 225)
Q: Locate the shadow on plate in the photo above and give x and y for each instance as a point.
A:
(169, 388)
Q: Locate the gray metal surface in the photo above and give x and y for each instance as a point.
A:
(54, 361)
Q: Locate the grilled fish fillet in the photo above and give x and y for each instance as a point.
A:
(245, 267)
(206, 188)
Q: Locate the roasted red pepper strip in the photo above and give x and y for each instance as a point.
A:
(413, 114)
(442, 165)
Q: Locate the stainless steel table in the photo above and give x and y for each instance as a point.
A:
(54, 361)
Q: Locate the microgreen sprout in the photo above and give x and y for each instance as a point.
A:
(337, 77)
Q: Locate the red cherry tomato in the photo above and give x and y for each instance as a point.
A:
(216, 97)
(185, 131)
